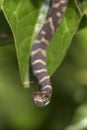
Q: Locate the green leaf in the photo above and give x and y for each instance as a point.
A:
(1, 3)
(22, 16)
(62, 39)
(82, 6)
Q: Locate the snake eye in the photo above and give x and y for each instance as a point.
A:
(41, 99)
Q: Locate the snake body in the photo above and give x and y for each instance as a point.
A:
(38, 52)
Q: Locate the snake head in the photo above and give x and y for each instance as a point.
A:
(41, 99)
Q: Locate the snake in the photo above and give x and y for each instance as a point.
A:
(42, 97)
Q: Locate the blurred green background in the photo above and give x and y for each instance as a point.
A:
(68, 108)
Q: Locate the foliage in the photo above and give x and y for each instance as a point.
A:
(22, 19)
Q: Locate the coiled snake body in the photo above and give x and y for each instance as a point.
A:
(38, 53)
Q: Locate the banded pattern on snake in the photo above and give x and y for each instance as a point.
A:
(38, 52)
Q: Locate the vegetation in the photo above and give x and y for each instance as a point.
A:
(20, 22)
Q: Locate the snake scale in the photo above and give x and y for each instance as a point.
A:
(38, 52)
